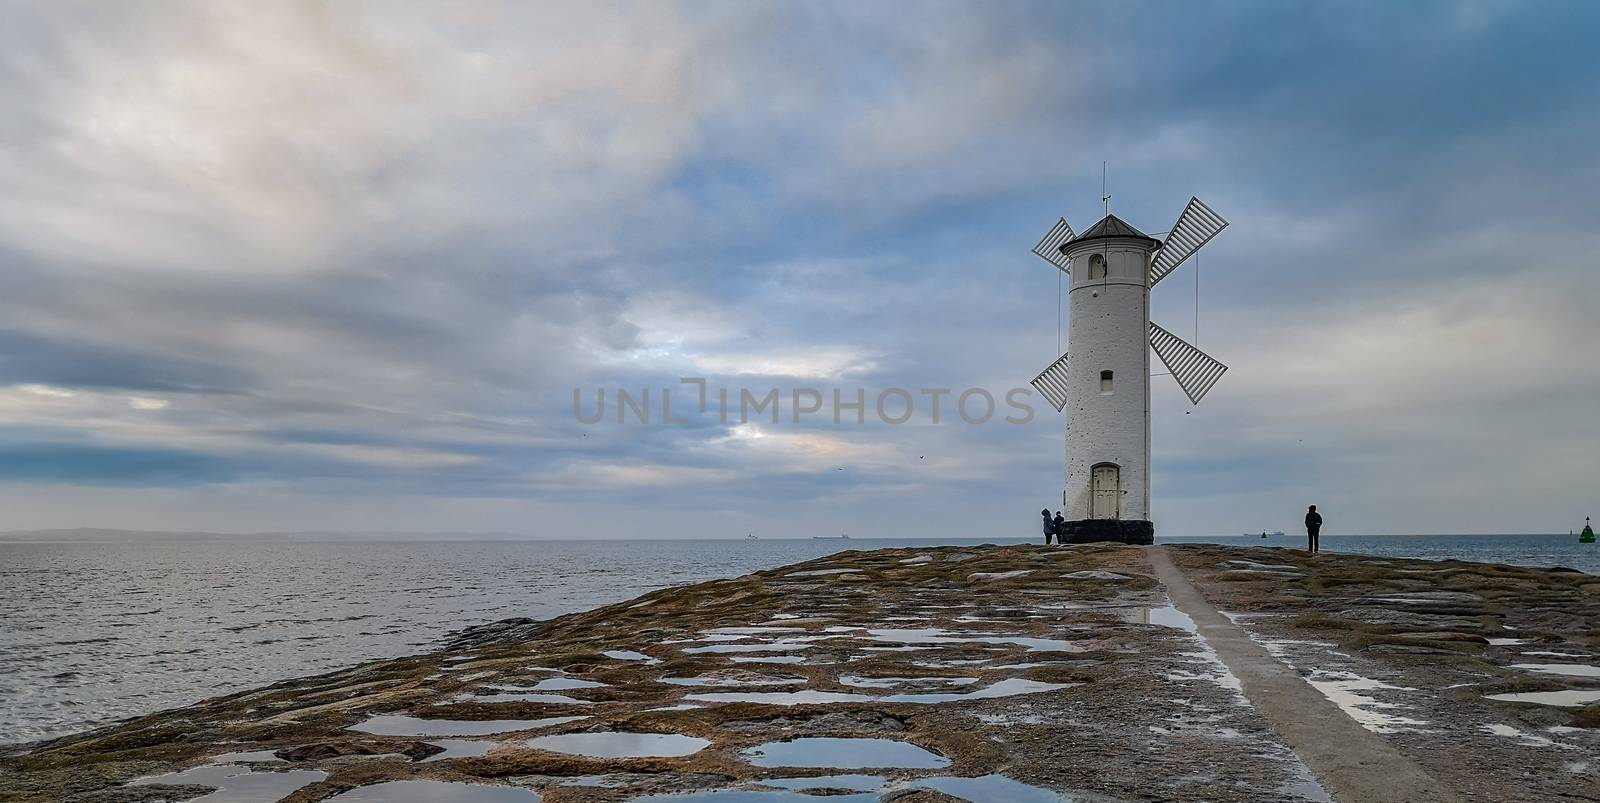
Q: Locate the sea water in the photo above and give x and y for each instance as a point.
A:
(94, 632)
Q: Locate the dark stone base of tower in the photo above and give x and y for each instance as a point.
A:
(1085, 531)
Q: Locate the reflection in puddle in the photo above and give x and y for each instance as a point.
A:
(934, 635)
(460, 748)
(848, 754)
(1000, 575)
(712, 680)
(885, 683)
(616, 744)
(244, 757)
(989, 789)
(396, 725)
(563, 684)
(1526, 738)
(771, 659)
(435, 792)
(858, 783)
(630, 655)
(776, 646)
(1342, 688)
(1308, 790)
(743, 796)
(806, 697)
(236, 784)
(550, 699)
(1566, 698)
(1009, 687)
(1570, 670)
(1170, 616)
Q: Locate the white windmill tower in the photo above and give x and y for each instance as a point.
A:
(1105, 386)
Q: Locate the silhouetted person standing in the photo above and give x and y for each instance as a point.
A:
(1049, 526)
(1313, 528)
(1060, 526)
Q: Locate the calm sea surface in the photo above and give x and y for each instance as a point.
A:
(98, 632)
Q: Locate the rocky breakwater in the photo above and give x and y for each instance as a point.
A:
(981, 674)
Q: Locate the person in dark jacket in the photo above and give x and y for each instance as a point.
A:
(1313, 528)
(1060, 525)
(1049, 526)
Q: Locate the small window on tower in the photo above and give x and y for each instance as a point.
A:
(1105, 382)
(1097, 266)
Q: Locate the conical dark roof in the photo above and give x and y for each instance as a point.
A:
(1109, 226)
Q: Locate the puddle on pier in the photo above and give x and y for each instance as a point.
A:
(397, 725)
(855, 783)
(1530, 739)
(989, 789)
(435, 792)
(1170, 616)
(845, 754)
(630, 655)
(245, 757)
(519, 697)
(1010, 687)
(888, 683)
(806, 697)
(981, 576)
(747, 796)
(1343, 688)
(934, 635)
(1506, 642)
(1566, 698)
(724, 682)
(1306, 790)
(771, 659)
(618, 744)
(236, 784)
(776, 646)
(558, 684)
(460, 748)
(1570, 670)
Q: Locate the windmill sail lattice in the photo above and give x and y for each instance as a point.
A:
(1052, 383)
(1049, 248)
(1195, 227)
(1195, 370)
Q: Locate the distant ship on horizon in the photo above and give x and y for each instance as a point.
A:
(830, 537)
(1278, 534)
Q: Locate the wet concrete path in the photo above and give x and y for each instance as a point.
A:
(1353, 764)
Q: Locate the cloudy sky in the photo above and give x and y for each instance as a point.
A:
(341, 267)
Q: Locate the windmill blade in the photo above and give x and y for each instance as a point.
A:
(1052, 383)
(1049, 248)
(1195, 371)
(1195, 227)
